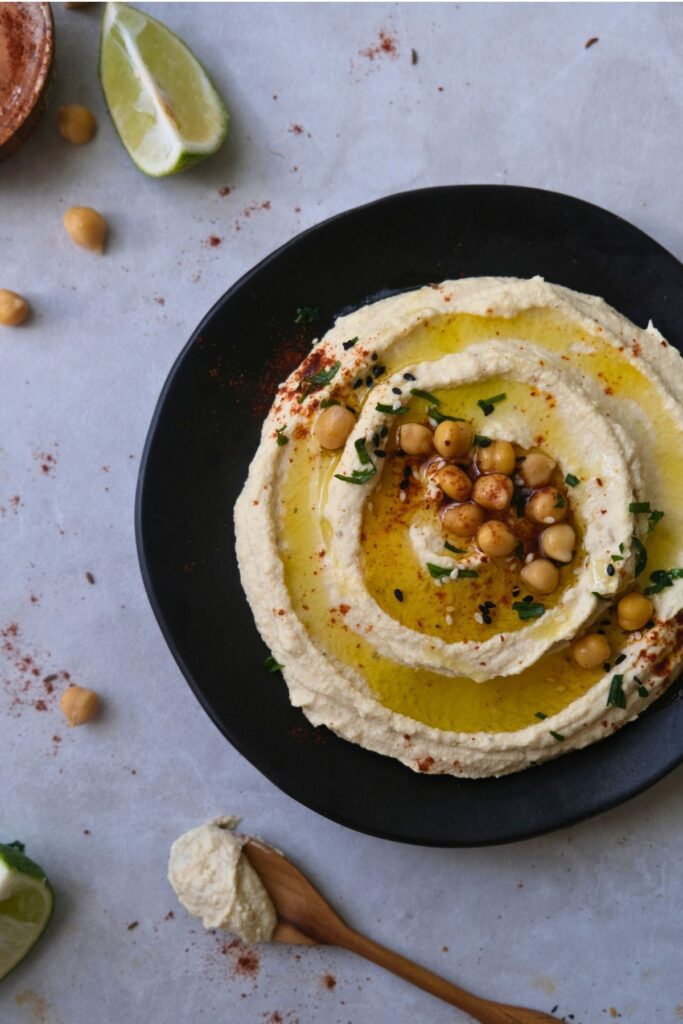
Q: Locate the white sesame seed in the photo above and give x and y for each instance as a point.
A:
(449, 620)
(529, 558)
(478, 618)
(432, 423)
(370, 506)
(548, 519)
(402, 495)
(450, 607)
(454, 574)
(437, 581)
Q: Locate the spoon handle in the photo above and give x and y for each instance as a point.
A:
(483, 1010)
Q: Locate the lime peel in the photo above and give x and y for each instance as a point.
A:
(161, 100)
(26, 905)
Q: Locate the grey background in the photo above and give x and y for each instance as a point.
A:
(587, 919)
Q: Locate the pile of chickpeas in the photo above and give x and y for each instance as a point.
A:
(477, 503)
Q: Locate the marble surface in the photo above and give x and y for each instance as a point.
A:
(587, 920)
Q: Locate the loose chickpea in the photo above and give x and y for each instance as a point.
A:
(495, 539)
(499, 457)
(86, 227)
(591, 651)
(547, 505)
(452, 439)
(633, 611)
(462, 520)
(541, 576)
(415, 439)
(493, 491)
(454, 482)
(76, 124)
(537, 469)
(333, 426)
(79, 705)
(558, 542)
(13, 308)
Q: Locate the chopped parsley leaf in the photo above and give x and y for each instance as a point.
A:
(327, 402)
(381, 407)
(639, 506)
(557, 736)
(306, 314)
(281, 439)
(359, 476)
(600, 597)
(662, 578)
(427, 395)
(643, 691)
(481, 441)
(654, 518)
(529, 609)
(435, 414)
(467, 574)
(451, 547)
(641, 555)
(616, 696)
(487, 404)
(571, 480)
(272, 665)
(362, 451)
(559, 501)
(437, 572)
(349, 344)
(540, 715)
(323, 377)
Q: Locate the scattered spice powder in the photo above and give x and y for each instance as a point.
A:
(89, 577)
(296, 129)
(329, 981)
(213, 241)
(225, 190)
(387, 45)
(246, 960)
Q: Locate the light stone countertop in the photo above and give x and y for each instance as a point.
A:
(588, 919)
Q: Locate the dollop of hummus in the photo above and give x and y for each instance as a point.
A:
(214, 881)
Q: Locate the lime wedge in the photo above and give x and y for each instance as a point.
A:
(160, 98)
(26, 904)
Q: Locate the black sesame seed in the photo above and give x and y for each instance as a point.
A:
(601, 631)
(516, 591)
(528, 599)
(607, 666)
(409, 376)
(487, 619)
(379, 453)
(375, 440)
(649, 624)
(358, 383)
(383, 430)
(404, 485)
(490, 604)
(374, 357)
(396, 391)
(398, 594)
(610, 570)
(377, 371)
(399, 451)
(407, 471)
(369, 381)
(619, 658)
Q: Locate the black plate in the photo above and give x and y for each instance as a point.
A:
(206, 428)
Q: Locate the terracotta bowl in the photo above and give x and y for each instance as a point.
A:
(26, 62)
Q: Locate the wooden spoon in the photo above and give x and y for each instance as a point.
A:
(305, 918)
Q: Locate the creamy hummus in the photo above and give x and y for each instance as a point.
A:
(414, 642)
(214, 881)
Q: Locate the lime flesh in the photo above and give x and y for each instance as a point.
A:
(161, 100)
(26, 905)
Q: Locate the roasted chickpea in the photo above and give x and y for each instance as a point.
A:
(547, 505)
(537, 469)
(86, 227)
(591, 650)
(79, 704)
(498, 457)
(495, 539)
(13, 308)
(493, 491)
(558, 542)
(633, 611)
(333, 426)
(76, 124)
(454, 482)
(462, 520)
(453, 439)
(541, 576)
(415, 439)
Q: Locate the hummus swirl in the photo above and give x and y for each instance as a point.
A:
(374, 611)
